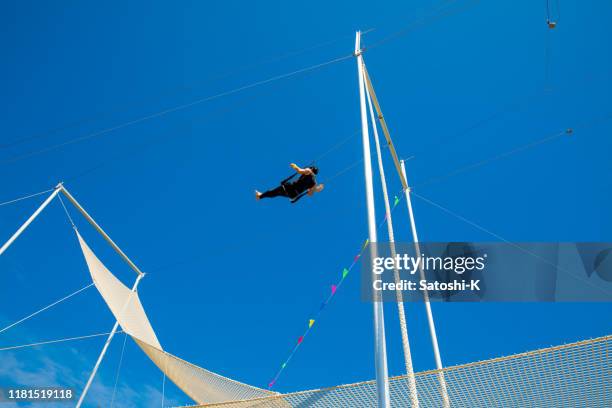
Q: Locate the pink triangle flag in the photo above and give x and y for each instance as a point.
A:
(301, 339)
(334, 288)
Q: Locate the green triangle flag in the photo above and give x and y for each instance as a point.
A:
(396, 201)
(310, 323)
(344, 273)
(284, 365)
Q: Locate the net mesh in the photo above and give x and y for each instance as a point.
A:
(201, 385)
(198, 383)
(572, 375)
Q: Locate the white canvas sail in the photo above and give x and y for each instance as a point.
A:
(203, 386)
(124, 303)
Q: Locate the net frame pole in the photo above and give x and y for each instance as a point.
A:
(414, 399)
(108, 239)
(380, 351)
(106, 344)
(27, 223)
(430, 318)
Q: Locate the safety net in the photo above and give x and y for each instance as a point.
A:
(571, 375)
(201, 385)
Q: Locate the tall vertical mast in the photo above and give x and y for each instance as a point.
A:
(414, 399)
(430, 319)
(380, 352)
(401, 169)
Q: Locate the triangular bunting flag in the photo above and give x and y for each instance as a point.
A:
(396, 202)
(284, 365)
(310, 323)
(334, 288)
(344, 273)
(301, 339)
(365, 244)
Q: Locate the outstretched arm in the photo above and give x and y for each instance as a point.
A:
(316, 189)
(303, 172)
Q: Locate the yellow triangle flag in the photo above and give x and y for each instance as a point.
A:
(365, 244)
(310, 323)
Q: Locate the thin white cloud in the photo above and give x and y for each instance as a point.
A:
(37, 368)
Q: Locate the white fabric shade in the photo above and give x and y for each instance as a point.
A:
(203, 386)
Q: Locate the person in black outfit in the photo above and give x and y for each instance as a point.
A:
(306, 184)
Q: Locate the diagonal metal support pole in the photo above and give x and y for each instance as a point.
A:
(385, 128)
(414, 399)
(60, 188)
(106, 344)
(100, 230)
(26, 224)
(430, 318)
(401, 170)
(132, 265)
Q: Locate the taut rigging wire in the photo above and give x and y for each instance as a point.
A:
(14, 200)
(42, 343)
(399, 33)
(160, 138)
(513, 244)
(123, 107)
(125, 336)
(446, 12)
(499, 156)
(46, 308)
(175, 108)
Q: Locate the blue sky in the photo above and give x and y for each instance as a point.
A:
(232, 282)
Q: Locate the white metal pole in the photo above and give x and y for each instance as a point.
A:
(430, 319)
(414, 399)
(100, 230)
(108, 341)
(380, 351)
(29, 220)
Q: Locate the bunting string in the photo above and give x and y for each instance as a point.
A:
(332, 292)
